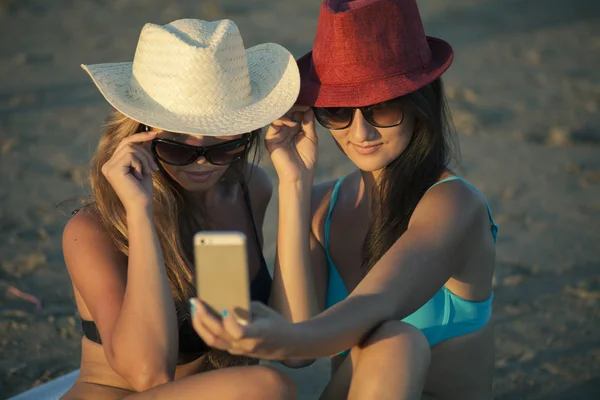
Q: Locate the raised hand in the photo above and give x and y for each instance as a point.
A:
(129, 171)
(292, 144)
(268, 335)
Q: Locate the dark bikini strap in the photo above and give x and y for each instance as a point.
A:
(91, 331)
(251, 214)
(89, 327)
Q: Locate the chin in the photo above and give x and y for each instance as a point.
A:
(201, 186)
(194, 187)
(370, 163)
(198, 187)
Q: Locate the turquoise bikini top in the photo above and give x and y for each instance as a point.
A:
(445, 315)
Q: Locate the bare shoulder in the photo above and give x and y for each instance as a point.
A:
(454, 202)
(84, 236)
(457, 192)
(95, 265)
(84, 224)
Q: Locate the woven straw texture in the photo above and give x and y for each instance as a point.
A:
(196, 77)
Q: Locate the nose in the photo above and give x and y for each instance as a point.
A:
(360, 130)
(201, 160)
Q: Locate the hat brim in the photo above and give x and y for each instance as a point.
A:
(274, 81)
(361, 94)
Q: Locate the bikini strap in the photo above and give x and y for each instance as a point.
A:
(90, 331)
(489, 210)
(248, 204)
(334, 196)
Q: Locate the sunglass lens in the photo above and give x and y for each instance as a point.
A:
(227, 153)
(387, 113)
(174, 154)
(334, 117)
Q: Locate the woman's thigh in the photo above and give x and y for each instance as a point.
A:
(341, 376)
(252, 382)
(385, 356)
(85, 390)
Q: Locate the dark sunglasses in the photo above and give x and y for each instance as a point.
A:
(381, 115)
(179, 154)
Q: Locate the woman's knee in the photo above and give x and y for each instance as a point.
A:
(398, 335)
(273, 384)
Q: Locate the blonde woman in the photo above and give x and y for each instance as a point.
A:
(173, 160)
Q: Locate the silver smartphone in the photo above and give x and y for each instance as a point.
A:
(222, 278)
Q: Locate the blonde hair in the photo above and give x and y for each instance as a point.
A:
(173, 218)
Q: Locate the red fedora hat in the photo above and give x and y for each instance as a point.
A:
(369, 51)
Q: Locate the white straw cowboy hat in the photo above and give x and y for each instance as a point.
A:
(196, 77)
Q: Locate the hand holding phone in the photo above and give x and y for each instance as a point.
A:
(222, 273)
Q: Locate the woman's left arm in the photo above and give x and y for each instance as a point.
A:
(433, 249)
(436, 245)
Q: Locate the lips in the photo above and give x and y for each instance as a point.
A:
(364, 150)
(199, 177)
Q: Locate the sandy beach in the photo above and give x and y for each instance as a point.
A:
(524, 91)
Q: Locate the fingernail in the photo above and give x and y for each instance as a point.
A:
(294, 121)
(224, 313)
(192, 306)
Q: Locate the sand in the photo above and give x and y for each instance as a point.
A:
(525, 94)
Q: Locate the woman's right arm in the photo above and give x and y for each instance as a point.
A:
(130, 298)
(298, 292)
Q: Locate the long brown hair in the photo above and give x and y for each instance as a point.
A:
(173, 217)
(406, 179)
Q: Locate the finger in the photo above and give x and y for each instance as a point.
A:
(142, 160)
(245, 347)
(297, 116)
(237, 351)
(286, 120)
(126, 163)
(308, 125)
(146, 158)
(136, 167)
(301, 108)
(214, 325)
(147, 149)
(259, 309)
(289, 120)
(255, 329)
(208, 338)
(278, 133)
(232, 327)
(137, 138)
(272, 131)
(124, 148)
(206, 333)
(251, 332)
(294, 115)
(283, 131)
(142, 155)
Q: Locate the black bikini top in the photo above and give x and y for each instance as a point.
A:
(190, 344)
